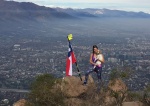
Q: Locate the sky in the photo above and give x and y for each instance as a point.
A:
(127, 5)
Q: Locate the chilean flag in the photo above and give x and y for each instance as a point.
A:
(70, 60)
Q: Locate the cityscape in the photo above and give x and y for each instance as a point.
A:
(38, 45)
(22, 59)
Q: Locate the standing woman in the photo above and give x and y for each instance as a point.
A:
(95, 68)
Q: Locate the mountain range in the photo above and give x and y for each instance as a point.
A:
(28, 10)
(88, 12)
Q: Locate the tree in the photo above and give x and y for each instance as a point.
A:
(43, 92)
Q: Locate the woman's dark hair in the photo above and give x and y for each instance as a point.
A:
(94, 46)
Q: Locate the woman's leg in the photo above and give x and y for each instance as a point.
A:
(98, 70)
(87, 75)
(99, 74)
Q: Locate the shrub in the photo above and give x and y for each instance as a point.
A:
(119, 96)
(133, 96)
(146, 96)
(43, 93)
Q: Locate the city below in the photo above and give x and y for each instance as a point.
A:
(20, 63)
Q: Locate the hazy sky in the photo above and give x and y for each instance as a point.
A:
(128, 5)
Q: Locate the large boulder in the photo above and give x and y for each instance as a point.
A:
(72, 86)
(21, 102)
(137, 103)
(74, 102)
(117, 92)
(117, 85)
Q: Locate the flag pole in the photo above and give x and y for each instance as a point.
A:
(78, 71)
(69, 37)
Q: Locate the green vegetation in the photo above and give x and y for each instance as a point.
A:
(142, 96)
(119, 97)
(93, 97)
(46, 91)
(118, 73)
(115, 74)
(43, 92)
(146, 96)
(134, 96)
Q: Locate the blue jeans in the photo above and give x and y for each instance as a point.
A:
(98, 70)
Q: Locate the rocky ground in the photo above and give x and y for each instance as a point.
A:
(115, 94)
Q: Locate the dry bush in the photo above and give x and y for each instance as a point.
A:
(42, 93)
(93, 96)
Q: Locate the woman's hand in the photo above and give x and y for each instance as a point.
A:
(94, 64)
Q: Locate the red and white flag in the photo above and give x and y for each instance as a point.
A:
(70, 60)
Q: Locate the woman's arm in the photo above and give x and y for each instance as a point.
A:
(91, 59)
(101, 58)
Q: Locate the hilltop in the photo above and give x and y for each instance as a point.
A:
(73, 93)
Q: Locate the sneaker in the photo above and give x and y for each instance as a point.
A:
(84, 83)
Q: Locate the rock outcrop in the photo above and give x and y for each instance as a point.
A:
(20, 103)
(117, 92)
(137, 103)
(117, 85)
(72, 86)
(78, 95)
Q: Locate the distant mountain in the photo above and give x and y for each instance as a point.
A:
(76, 12)
(11, 10)
(103, 13)
(27, 10)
